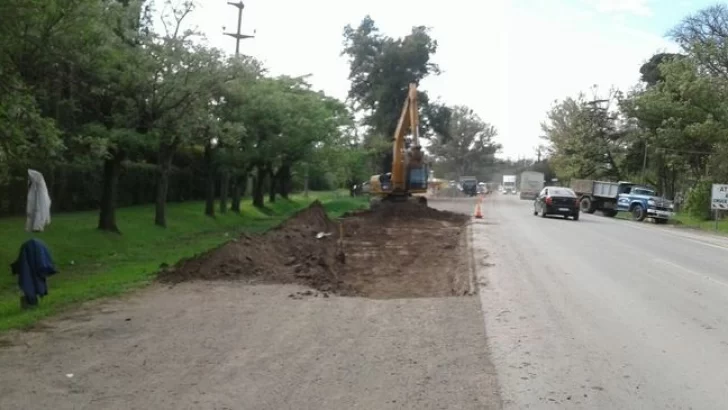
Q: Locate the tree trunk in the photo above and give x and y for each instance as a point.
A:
(244, 182)
(224, 187)
(107, 213)
(284, 181)
(62, 188)
(236, 182)
(241, 188)
(258, 200)
(165, 163)
(272, 177)
(210, 182)
(305, 181)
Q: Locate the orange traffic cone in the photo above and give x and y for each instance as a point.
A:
(478, 212)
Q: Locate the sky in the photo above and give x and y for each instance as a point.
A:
(508, 60)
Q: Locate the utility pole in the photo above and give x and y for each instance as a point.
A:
(237, 35)
(644, 165)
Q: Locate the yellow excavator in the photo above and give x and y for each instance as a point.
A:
(408, 179)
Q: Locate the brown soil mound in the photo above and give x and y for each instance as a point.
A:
(404, 251)
(409, 211)
(289, 253)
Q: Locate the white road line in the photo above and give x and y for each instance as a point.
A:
(692, 272)
(666, 262)
(675, 235)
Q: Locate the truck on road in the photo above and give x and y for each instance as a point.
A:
(469, 185)
(509, 184)
(531, 184)
(612, 197)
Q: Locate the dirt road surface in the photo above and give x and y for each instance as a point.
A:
(602, 313)
(245, 345)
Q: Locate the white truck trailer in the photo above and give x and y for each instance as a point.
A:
(531, 184)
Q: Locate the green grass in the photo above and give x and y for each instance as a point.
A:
(687, 221)
(94, 264)
(682, 220)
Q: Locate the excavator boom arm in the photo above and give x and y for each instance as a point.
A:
(409, 120)
(409, 173)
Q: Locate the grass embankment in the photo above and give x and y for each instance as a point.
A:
(682, 220)
(94, 264)
(687, 221)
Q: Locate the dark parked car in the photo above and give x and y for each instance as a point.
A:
(555, 200)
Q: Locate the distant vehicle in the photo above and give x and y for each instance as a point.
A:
(509, 184)
(469, 185)
(555, 200)
(611, 197)
(531, 184)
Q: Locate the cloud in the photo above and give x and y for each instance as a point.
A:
(636, 7)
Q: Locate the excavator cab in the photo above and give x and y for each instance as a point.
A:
(385, 182)
(417, 179)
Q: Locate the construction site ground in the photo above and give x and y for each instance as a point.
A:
(378, 311)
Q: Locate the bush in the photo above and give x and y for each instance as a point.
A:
(697, 200)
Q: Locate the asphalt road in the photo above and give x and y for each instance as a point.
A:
(601, 313)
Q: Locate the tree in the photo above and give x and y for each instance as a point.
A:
(89, 91)
(381, 69)
(703, 36)
(232, 138)
(26, 137)
(467, 145)
(650, 71)
(118, 80)
(585, 139)
(181, 79)
(259, 105)
(680, 118)
(69, 58)
(669, 130)
(313, 119)
(284, 121)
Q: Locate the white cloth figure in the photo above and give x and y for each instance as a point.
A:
(38, 210)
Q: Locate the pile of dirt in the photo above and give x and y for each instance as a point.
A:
(290, 253)
(409, 211)
(406, 250)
